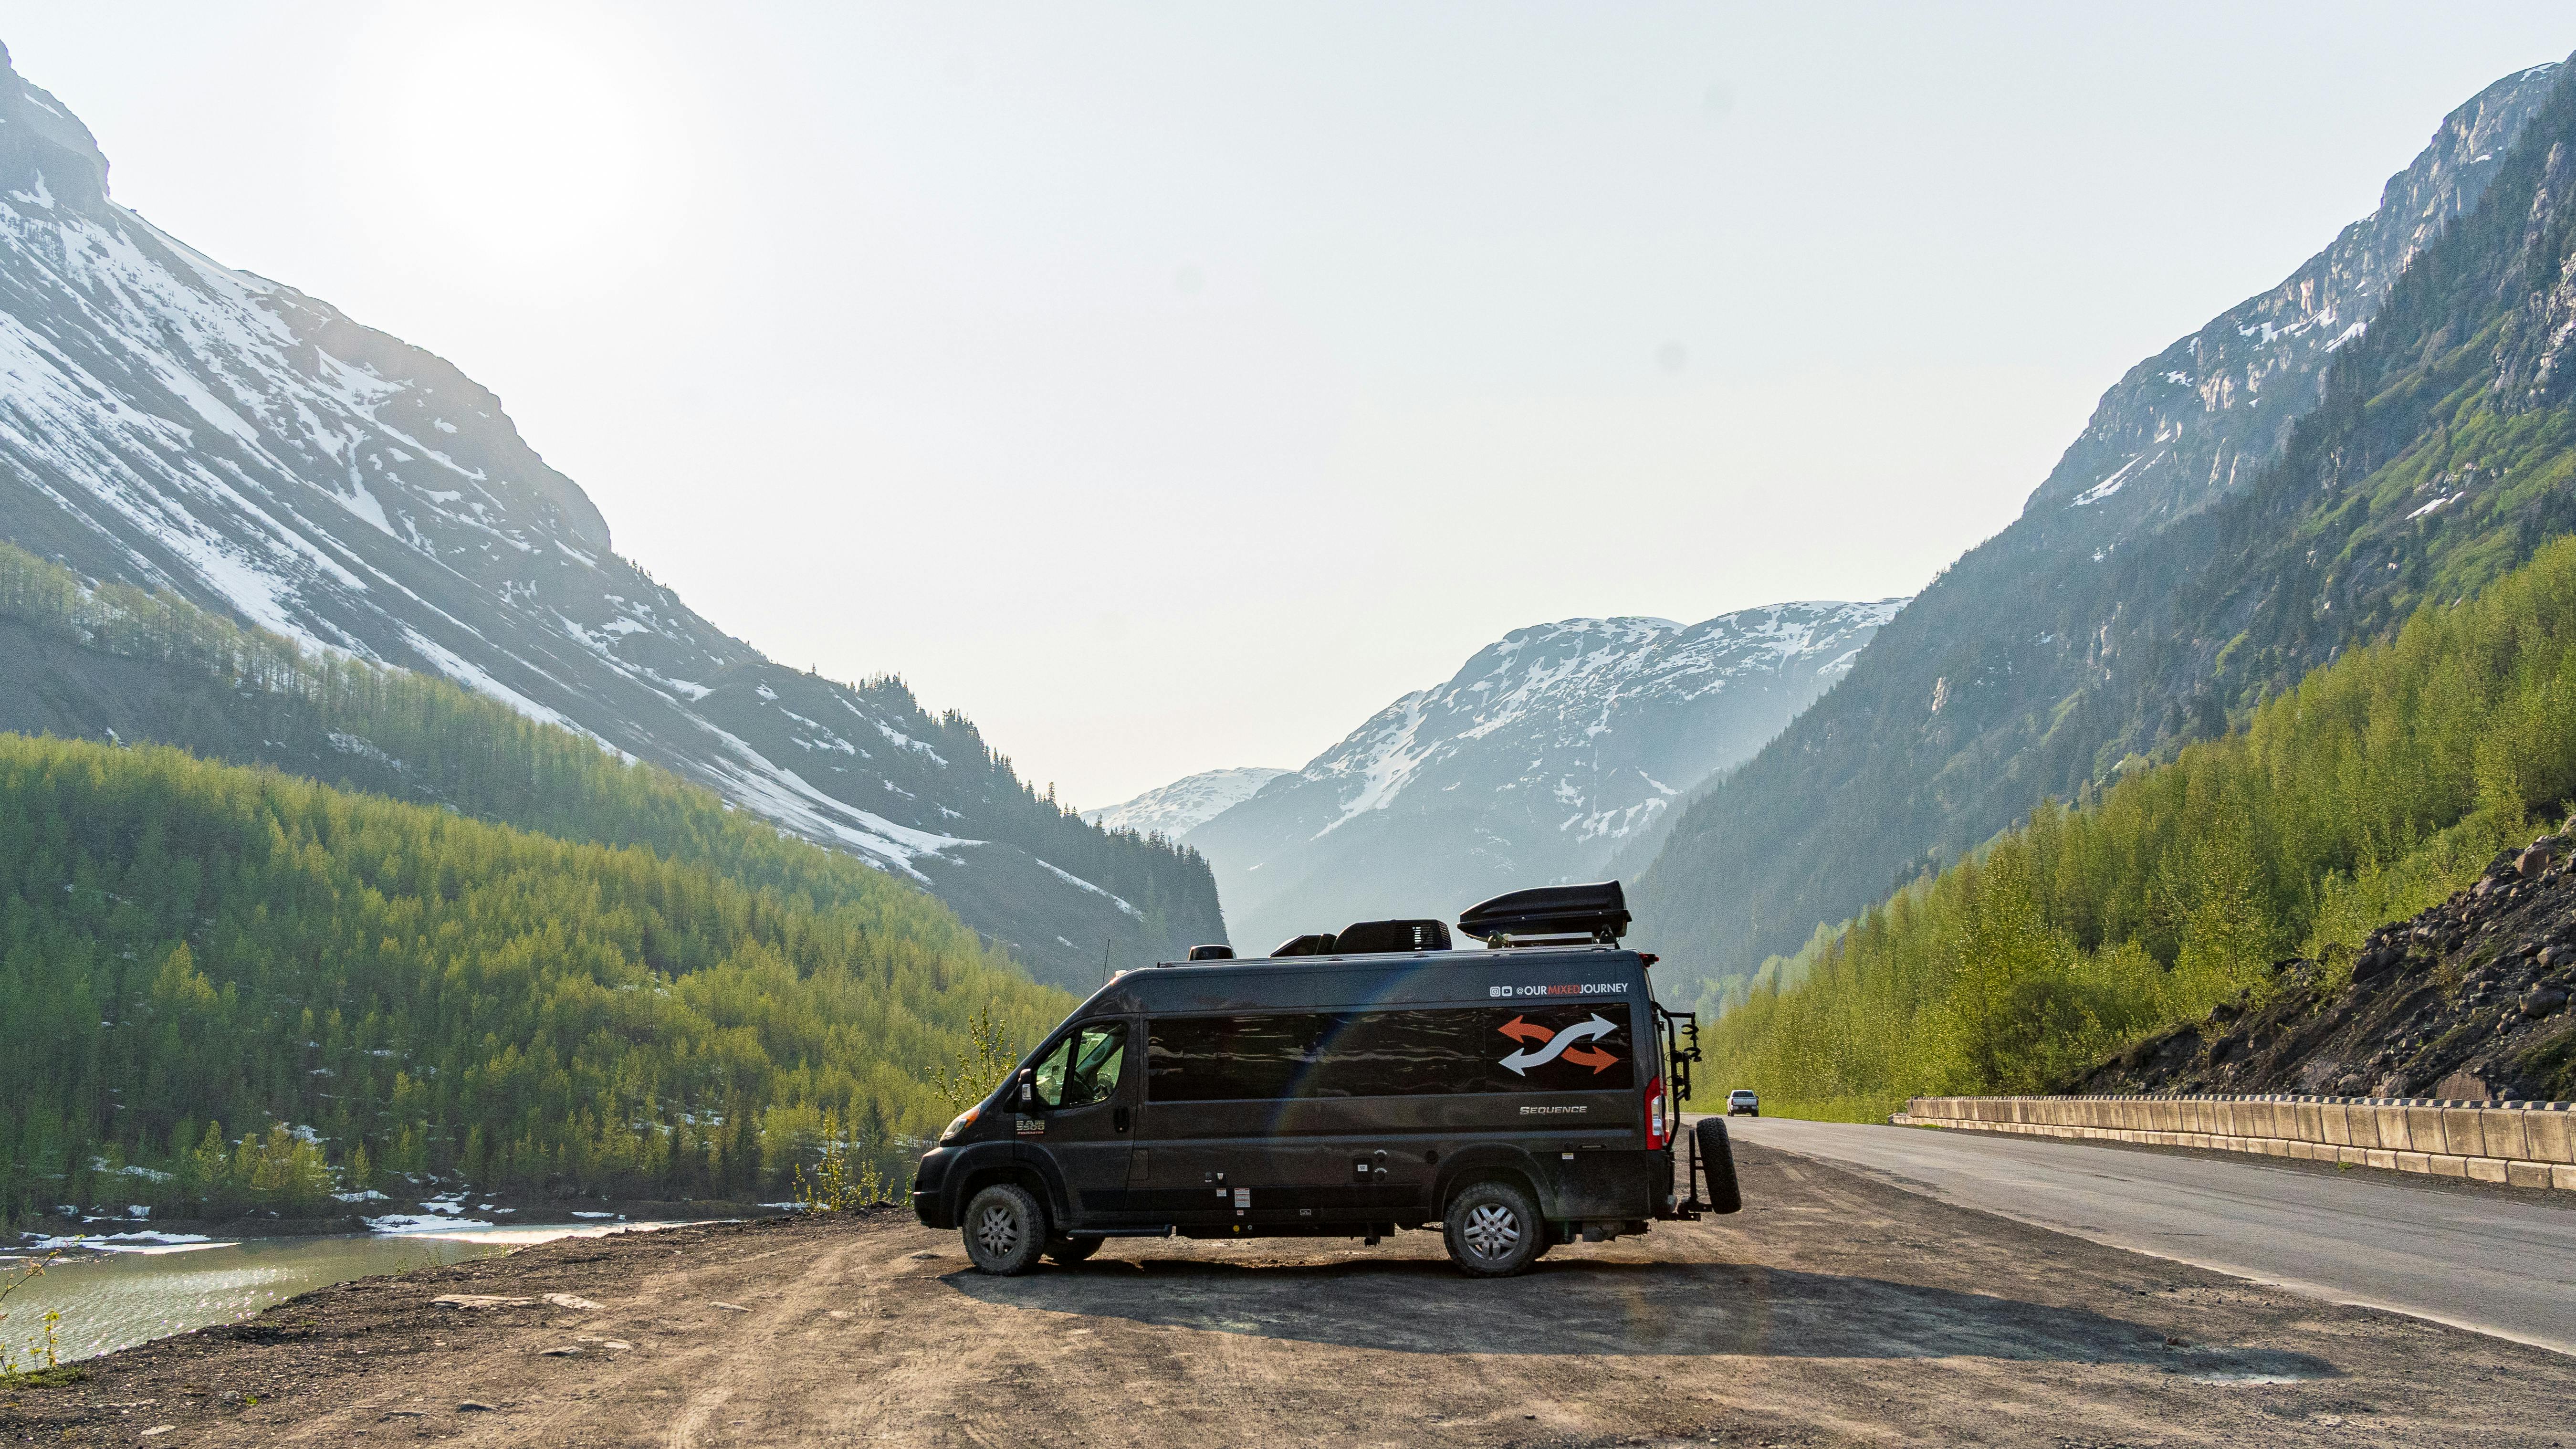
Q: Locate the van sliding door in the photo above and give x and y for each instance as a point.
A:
(1215, 1148)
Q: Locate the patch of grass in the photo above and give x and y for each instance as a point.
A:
(832, 1186)
(47, 1346)
(2552, 1065)
(2459, 1038)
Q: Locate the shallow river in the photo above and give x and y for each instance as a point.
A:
(116, 1300)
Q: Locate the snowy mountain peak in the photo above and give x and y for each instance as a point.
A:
(1545, 753)
(1174, 810)
(1559, 690)
(45, 151)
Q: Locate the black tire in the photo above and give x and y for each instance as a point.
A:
(1005, 1230)
(1493, 1230)
(1717, 1164)
(1068, 1251)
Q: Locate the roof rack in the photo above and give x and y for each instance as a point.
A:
(1550, 916)
(1324, 944)
(1378, 938)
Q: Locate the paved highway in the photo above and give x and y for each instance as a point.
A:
(2476, 1260)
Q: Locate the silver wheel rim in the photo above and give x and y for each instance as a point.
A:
(1493, 1230)
(998, 1231)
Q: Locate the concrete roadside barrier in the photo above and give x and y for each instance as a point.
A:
(2524, 1144)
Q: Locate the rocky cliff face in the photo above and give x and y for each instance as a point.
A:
(2153, 589)
(169, 422)
(1550, 750)
(2468, 1001)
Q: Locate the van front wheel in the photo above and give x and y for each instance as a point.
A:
(1005, 1229)
(1493, 1230)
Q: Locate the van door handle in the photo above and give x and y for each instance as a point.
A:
(1121, 1119)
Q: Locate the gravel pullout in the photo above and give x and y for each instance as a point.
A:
(1834, 1310)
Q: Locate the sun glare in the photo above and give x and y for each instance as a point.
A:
(520, 141)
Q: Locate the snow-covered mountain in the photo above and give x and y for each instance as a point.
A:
(169, 422)
(1542, 757)
(1176, 809)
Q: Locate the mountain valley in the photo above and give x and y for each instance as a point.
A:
(458, 991)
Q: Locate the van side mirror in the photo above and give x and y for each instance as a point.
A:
(1028, 1090)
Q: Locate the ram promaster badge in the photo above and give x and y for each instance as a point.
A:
(1349, 1085)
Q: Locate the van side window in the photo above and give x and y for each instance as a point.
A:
(1084, 1067)
(1273, 1055)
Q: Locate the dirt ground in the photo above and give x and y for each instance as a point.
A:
(1833, 1310)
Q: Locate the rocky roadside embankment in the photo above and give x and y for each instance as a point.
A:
(2469, 1001)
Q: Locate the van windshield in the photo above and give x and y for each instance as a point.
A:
(1084, 1067)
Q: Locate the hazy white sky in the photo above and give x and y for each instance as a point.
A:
(1172, 386)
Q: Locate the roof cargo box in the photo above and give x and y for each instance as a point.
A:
(1555, 914)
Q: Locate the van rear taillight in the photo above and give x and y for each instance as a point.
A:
(1658, 1133)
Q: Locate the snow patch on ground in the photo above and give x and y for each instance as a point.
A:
(785, 796)
(398, 1224)
(1069, 878)
(465, 672)
(2114, 483)
(134, 1242)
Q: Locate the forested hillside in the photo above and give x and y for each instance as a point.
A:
(2196, 551)
(117, 663)
(193, 955)
(2375, 788)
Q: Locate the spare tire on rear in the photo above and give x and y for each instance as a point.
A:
(1717, 1164)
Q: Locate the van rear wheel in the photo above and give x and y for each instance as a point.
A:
(1005, 1229)
(1493, 1230)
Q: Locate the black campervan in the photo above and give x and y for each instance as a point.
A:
(1349, 1085)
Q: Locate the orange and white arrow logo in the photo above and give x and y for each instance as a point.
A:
(1553, 1044)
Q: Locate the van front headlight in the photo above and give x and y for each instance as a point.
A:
(960, 1123)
